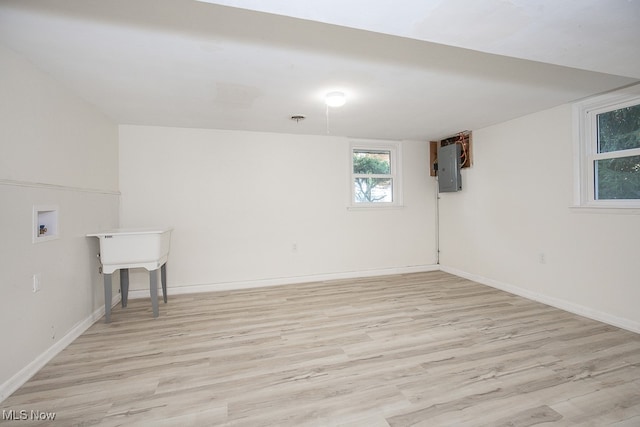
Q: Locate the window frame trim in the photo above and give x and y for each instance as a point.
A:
(394, 147)
(586, 146)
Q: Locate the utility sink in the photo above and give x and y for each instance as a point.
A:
(125, 248)
(133, 248)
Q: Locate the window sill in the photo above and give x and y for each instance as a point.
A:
(374, 208)
(606, 210)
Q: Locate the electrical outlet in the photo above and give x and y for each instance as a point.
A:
(542, 258)
(37, 281)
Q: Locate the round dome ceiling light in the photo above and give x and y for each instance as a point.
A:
(335, 99)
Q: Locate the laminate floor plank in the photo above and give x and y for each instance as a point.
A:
(426, 349)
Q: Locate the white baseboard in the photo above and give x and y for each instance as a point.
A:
(232, 286)
(580, 310)
(20, 378)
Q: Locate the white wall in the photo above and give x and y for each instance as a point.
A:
(240, 201)
(55, 150)
(516, 207)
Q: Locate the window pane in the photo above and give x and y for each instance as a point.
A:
(372, 190)
(618, 178)
(619, 129)
(371, 162)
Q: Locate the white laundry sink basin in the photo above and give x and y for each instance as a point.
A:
(122, 249)
(133, 248)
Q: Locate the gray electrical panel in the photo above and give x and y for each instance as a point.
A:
(449, 179)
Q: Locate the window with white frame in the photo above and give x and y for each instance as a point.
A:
(608, 142)
(375, 174)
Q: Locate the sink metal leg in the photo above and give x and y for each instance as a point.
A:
(107, 298)
(153, 289)
(163, 278)
(124, 286)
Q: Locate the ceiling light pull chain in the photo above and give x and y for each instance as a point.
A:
(327, 117)
(333, 99)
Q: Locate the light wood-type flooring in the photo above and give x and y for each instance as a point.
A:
(427, 349)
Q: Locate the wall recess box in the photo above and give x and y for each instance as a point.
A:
(45, 223)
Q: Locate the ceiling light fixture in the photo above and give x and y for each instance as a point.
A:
(335, 99)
